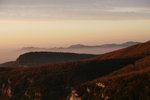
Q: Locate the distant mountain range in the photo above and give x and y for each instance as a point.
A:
(119, 75)
(82, 49)
(81, 46)
(105, 45)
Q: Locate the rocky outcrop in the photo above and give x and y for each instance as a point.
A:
(37, 96)
(7, 89)
(73, 95)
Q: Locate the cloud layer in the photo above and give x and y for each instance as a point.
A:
(75, 9)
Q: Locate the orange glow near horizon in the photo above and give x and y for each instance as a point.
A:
(51, 33)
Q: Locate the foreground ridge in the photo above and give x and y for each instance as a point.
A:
(117, 75)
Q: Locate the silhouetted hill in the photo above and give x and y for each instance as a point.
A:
(38, 58)
(41, 58)
(60, 81)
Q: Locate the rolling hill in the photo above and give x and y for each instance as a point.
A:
(40, 58)
(115, 75)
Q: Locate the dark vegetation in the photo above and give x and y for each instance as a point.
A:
(124, 73)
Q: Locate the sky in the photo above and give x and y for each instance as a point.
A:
(54, 23)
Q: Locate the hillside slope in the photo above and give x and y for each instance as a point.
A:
(136, 51)
(56, 81)
(132, 82)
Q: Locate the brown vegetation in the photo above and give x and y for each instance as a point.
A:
(56, 81)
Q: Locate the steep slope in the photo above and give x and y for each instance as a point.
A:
(132, 82)
(56, 81)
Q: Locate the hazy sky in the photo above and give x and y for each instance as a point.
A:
(75, 9)
(49, 23)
